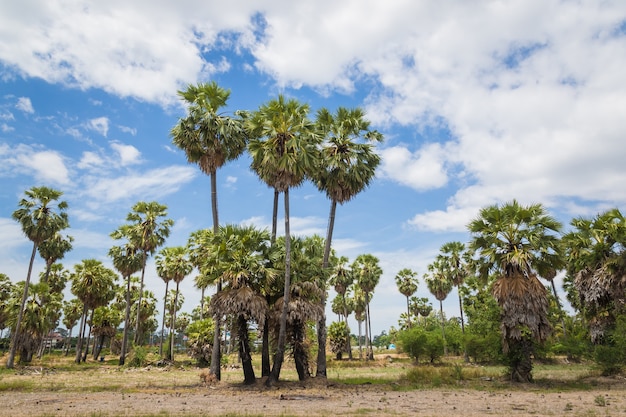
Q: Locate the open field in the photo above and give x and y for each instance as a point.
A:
(384, 387)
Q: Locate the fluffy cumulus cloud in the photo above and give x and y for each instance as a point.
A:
(531, 91)
(24, 104)
(42, 165)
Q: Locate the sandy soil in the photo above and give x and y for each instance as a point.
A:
(320, 400)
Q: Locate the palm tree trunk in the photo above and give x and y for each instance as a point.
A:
(443, 329)
(201, 304)
(69, 341)
(300, 355)
(143, 273)
(15, 337)
(367, 349)
(465, 355)
(126, 323)
(265, 349)
(167, 283)
(244, 351)
(81, 334)
(172, 339)
(321, 324)
(345, 317)
(88, 338)
(279, 357)
(216, 353)
(408, 312)
(360, 346)
(274, 217)
(369, 324)
(558, 303)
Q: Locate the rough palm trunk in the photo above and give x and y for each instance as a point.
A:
(443, 329)
(265, 349)
(279, 357)
(98, 346)
(244, 351)
(88, 338)
(216, 353)
(172, 338)
(300, 355)
(348, 342)
(18, 327)
(520, 359)
(465, 355)
(126, 323)
(367, 349)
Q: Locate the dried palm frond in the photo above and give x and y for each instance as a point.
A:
(240, 301)
(524, 304)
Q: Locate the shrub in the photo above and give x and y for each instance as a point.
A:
(338, 333)
(419, 343)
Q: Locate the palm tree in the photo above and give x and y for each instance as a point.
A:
(368, 274)
(347, 167)
(407, 285)
(173, 262)
(94, 285)
(72, 312)
(283, 154)
(342, 279)
(517, 243)
(595, 251)
(146, 231)
(210, 139)
(439, 284)
(53, 249)
(127, 259)
(244, 271)
(40, 221)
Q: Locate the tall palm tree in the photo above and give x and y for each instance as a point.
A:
(439, 284)
(346, 168)
(517, 243)
(284, 153)
(595, 263)
(368, 274)
(94, 285)
(146, 231)
(41, 216)
(407, 285)
(210, 139)
(127, 259)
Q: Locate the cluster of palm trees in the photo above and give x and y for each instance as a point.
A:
(511, 247)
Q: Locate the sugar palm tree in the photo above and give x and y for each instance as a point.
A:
(407, 285)
(244, 271)
(517, 243)
(346, 168)
(342, 279)
(127, 259)
(173, 262)
(146, 231)
(72, 312)
(367, 273)
(439, 284)
(53, 249)
(283, 151)
(595, 264)
(210, 139)
(94, 285)
(41, 216)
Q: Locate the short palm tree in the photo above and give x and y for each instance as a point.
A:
(284, 153)
(439, 284)
(342, 280)
(367, 273)
(72, 312)
(407, 285)
(41, 216)
(517, 243)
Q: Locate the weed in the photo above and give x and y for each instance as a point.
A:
(600, 401)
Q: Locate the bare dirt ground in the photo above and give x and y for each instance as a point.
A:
(317, 399)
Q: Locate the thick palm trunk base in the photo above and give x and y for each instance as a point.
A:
(520, 359)
(244, 351)
(300, 354)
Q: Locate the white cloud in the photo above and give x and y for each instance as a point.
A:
(6, 128)
(130, 130)
(99, 124)
(145, 185)
(421, 170)
(44, 165)
(90, 160)
(128, 154)
(24, 104)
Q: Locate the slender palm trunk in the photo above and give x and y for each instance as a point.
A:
(360, 344)
(465, 355)
(282, 332)
(345, 317)
(321, 324)
(367, 349)
(81, 334)
(558, 303)
(15, 337)
(126, 323)
(88, 337)
(265, 348)
(216, 353)
(244, 350)
(143, 273)
(173, 325)
(201, 303)
(443, 329)
(68, 346)
(167, 283)
(408, 312)
(369, 324)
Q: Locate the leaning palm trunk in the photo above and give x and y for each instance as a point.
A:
(18, 327)
(81, 335)
(524, 320)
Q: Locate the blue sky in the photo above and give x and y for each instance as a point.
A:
(479, 102)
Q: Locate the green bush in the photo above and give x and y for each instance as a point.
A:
(484, 348)
(419, 343)
(338, 333)
(611, 356)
